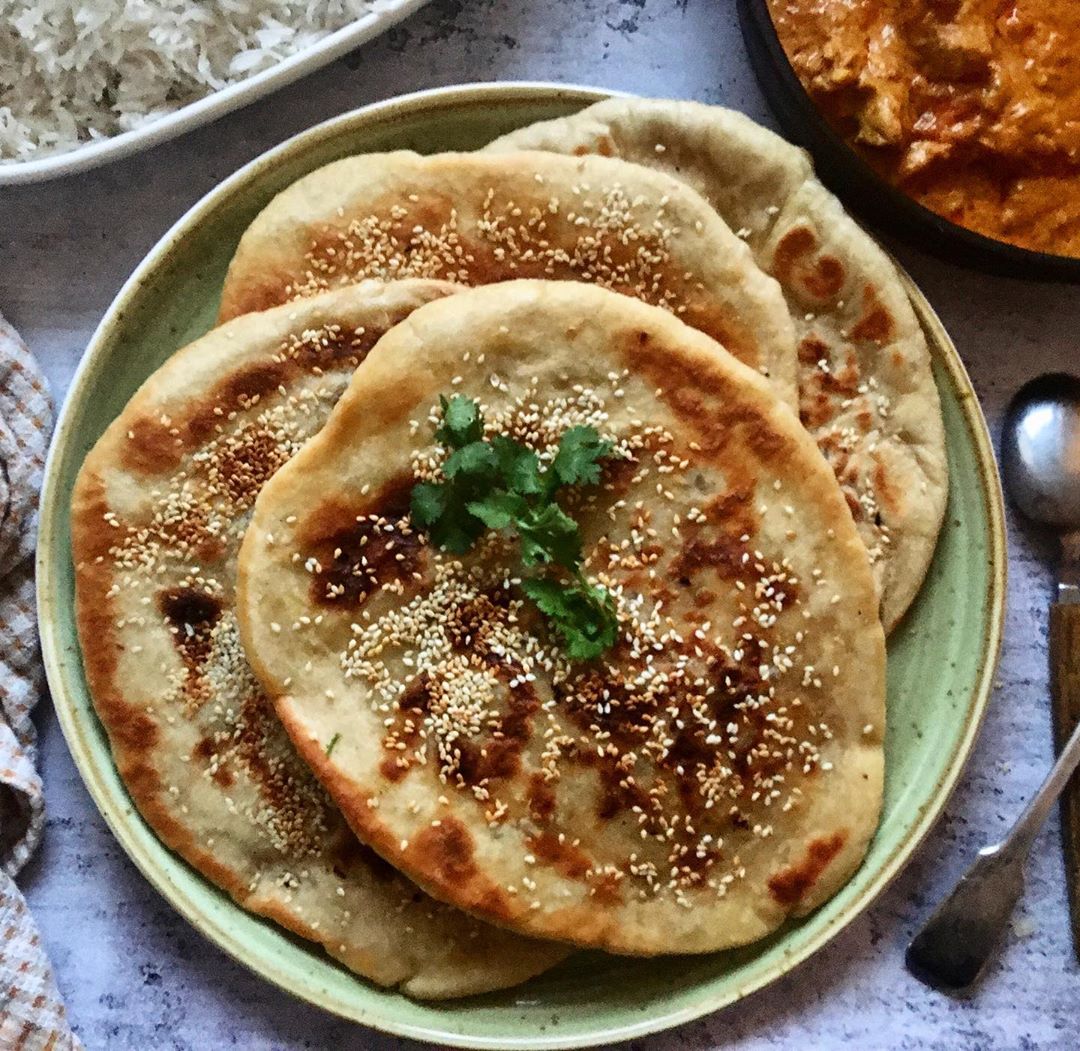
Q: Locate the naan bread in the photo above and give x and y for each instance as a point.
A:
(158, 513)
(474, 220)
(718, 770)
(866, 391)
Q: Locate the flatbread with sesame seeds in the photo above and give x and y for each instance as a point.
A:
(474, 220)
(866, 390)
(716, 770)
(158, 512)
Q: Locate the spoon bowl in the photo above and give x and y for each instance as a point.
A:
(1040, 451)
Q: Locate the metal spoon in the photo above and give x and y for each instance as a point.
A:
(1041, 468)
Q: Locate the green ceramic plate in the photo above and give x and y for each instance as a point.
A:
(941, 659)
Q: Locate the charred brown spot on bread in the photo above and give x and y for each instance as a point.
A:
(135, 730)
(246, 464)
(363, 559)
(789, 886)
(833, 447)
(699, 311)
(617, 473)
(812, 349)
(541, 799)
(843, 380)
(188, 607)
(607, 889)
(875, 323)
(830, 381)
(796, 265)
(297, 809)
(406, 730)
(725, 326)
(446, 851)
(92, 538)
(252, 381)
(354, 550)
(256, 294)
(471, 628)
(191, 616)
(346, 348)
(411, 232)
(722, 554)
(156, 445)
(334, 516)
(716, 542)
(92, 535)
(493, 752)
(494, 904)
(604, 146)
(815, 407)
(206, 751)
(626, 728)
(694, 391)
(132, 732)
(341, 349)
(555, 850)
(886, 493)
(151, 447)
(499, 757)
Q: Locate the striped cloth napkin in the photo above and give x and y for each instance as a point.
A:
(32, 1016)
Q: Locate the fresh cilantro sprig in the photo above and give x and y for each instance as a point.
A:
(499, 484)
(582, 614)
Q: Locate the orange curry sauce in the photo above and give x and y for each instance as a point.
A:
(971, 107)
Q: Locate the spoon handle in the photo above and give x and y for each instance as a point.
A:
(955, 944)
(1065, 696)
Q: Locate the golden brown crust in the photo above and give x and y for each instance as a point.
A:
(194, 740)
(866, 390)
(789, 886)
(440, 858)
(448, 706)
(477, 220)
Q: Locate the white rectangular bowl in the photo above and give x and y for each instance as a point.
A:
(214, 105)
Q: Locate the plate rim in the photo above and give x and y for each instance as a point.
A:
(56, 659)
(214, 105)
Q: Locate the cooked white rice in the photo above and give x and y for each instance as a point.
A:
(76, 70)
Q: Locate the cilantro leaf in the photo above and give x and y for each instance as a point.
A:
(548, 594)
(549, 534)
(519, 466)
(442, 509)
(457, 530)
(583, 616)
(462, 422)
(498, 484)
(499, 509)
(427, 504)
(578, 460)
(477, 460)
